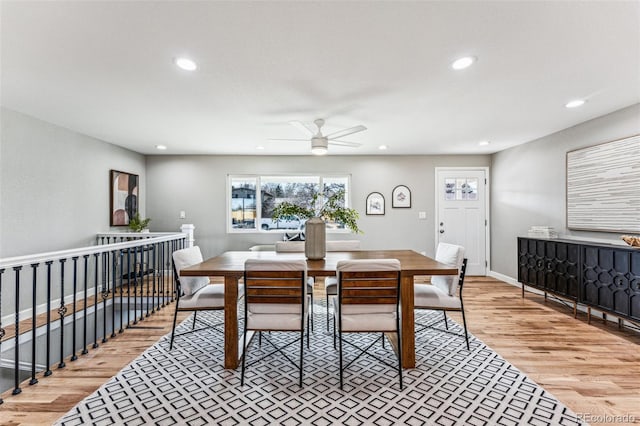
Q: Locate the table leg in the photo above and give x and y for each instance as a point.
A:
(408, 325)
(231, 359)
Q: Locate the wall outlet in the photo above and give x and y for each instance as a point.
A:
(422, 215)
(183, 214)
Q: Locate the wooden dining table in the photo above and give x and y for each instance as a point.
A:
(230, 266)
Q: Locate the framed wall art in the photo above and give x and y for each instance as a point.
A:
(602, 187)
(375, 203)
(401, 197)
(124, 197)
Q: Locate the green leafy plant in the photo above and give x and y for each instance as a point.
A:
(138, 224)
(332, 209)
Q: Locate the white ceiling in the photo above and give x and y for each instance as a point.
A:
(105, 69)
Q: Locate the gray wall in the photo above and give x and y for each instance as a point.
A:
(529, 184)
(54, 191)
(54, 185)
(197, 185)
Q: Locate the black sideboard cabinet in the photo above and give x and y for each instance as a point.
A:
(605, 277)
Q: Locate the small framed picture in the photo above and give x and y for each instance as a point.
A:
(375, 203)
(401, 197)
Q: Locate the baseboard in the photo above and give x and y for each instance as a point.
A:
(26, 314)
(507, 279)
(512, 281)
(41, 330)
(581, 308)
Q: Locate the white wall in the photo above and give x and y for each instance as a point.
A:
(529, 184)
(54, 185)
(197, 185)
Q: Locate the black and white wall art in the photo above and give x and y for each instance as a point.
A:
(603, 186)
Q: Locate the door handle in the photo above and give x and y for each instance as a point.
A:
(442, 231)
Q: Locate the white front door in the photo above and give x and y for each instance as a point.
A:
(461, 213)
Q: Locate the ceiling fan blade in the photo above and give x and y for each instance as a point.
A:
(346, 132)
(345, 143)
(288, 139)
(304, 127)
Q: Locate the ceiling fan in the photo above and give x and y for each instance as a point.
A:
(319, 142)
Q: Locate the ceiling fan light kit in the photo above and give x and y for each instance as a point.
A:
(319, 145)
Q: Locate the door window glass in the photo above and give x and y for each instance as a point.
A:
(461, 189)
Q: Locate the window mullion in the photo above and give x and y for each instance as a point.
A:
(271, 182)
(258, 204)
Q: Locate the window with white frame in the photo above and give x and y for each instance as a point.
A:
(252, 199)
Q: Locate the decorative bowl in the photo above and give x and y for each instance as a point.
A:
(631, 240)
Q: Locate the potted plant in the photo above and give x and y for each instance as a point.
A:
(317, 213)
(137, 224)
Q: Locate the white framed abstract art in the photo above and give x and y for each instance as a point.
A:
(401, 197)
(603, 186)
(375, 204)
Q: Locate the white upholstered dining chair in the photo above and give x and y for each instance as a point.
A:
(445, 292)
(194, 293)
(263, 247)
(368, 301)
(275, 300)
(297, 247)
(331, 283)
(289, 246)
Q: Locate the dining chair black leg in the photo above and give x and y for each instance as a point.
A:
(327, 301)
(302, 351)
(244, 354)
(400, 354)
(382, 340)
(446, 323)
(173, 330)
(464, 322)
(340, 351)
(193, 326)
(311, 310)
(334, 332)
(259, 339)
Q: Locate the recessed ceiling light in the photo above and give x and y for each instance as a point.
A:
(382, 147)
(484, 143)
(186, 64)
(260, 147)
(161, 147)
(462, 63)
(575, 103)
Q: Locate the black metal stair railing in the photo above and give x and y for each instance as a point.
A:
(77, 296)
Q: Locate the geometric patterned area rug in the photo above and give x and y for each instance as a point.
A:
(449, 386)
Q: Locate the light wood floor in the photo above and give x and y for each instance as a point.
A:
(592, 369)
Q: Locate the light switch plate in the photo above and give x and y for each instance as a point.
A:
(183, 214)
(422, 215)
